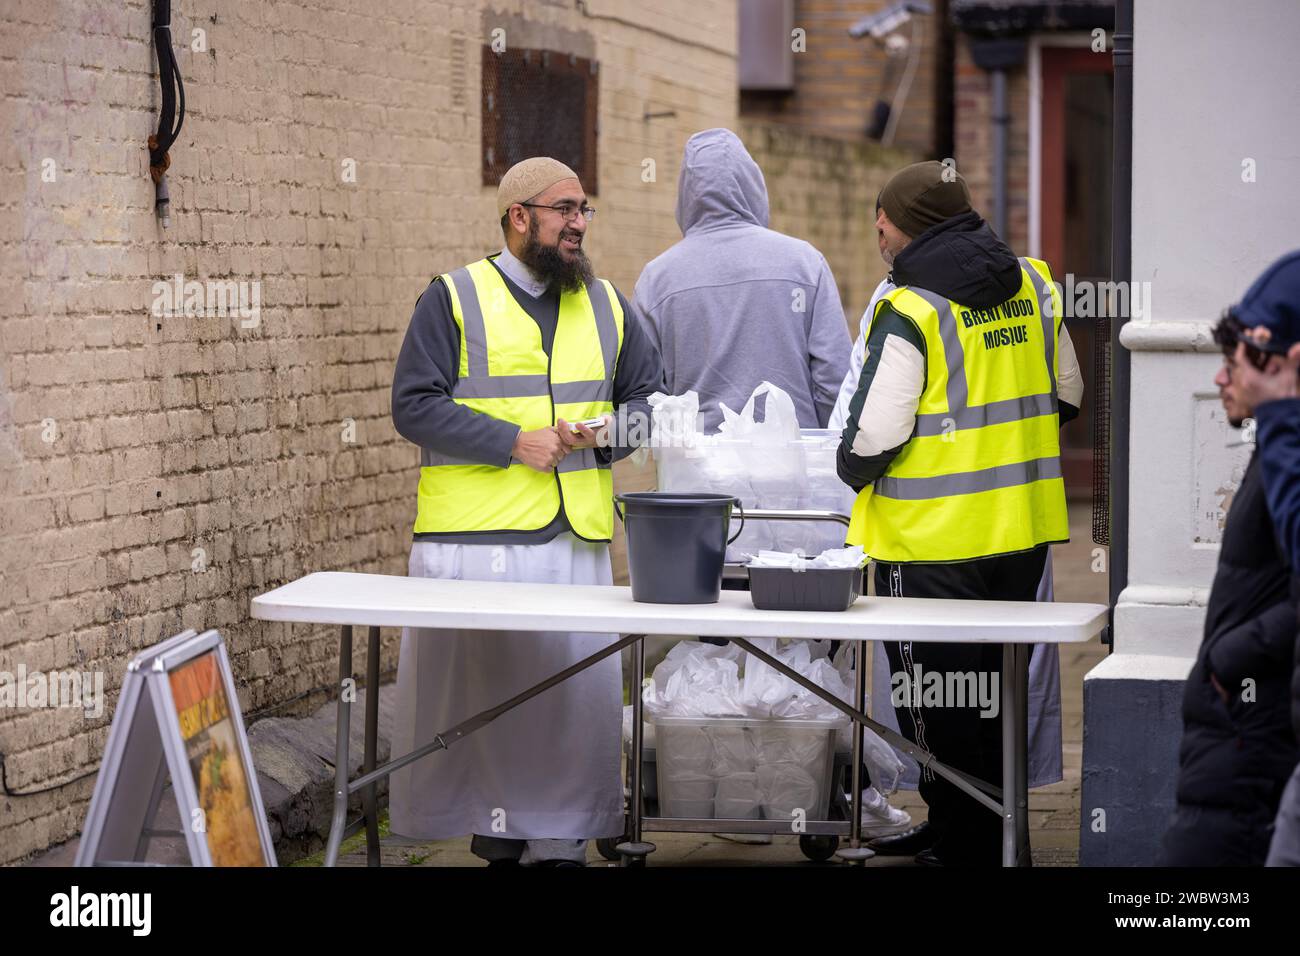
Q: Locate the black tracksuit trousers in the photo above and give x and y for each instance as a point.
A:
(966, 833)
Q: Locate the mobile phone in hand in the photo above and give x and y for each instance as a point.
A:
(590, 423)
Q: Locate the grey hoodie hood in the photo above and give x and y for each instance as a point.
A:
(734, 303)
(720, 184)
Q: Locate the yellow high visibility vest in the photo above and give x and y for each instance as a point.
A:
(981, 474)
(504, 372)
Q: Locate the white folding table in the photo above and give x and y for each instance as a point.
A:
(374, 600)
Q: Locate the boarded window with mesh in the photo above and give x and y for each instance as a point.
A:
(539, 103)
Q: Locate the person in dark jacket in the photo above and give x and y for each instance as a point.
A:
(1238, 748)
(1269, 354)
(1270, 310)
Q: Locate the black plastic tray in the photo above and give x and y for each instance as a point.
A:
(814, 589)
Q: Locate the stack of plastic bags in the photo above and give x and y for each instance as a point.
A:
(770, 463)
(831, 558)
(750, 767)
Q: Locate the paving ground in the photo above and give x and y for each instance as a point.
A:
(1053, 811)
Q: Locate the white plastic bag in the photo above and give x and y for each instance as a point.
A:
(770, 463)
(780, 422)
(787, 789)
(769, 693)
(831, 558)
(734, 751)
(674, 419)
(769, 453)
(696, 680)
(705, 680)
(674, 424)
(738, 797)
(882, 760)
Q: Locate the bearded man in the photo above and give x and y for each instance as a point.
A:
(504, 361)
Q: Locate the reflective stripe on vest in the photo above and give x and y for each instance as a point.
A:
(505, 373)
(977, 478)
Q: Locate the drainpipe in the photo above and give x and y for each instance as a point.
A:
(1000, 122)
(1121, 271)
(997, 56)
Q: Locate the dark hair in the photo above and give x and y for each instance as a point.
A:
(1227, 334)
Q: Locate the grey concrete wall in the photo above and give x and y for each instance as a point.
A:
(1130, 768)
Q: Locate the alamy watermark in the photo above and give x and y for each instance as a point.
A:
(132, 911)
(923, 688)
(1103, 299)
(208, 298)
(55, 689)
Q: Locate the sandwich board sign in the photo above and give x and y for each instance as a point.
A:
(178, 717)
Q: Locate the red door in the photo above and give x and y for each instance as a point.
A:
(1075, 214)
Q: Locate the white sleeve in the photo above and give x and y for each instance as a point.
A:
(889, 411)
(1069, 378)
(840, 415)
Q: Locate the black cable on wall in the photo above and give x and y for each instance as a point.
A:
(172, 113)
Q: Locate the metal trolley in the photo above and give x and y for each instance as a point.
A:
(819, 840)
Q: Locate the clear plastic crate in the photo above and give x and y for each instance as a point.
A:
(795, 476)
(742, 768)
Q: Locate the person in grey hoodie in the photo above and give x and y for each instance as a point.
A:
(734, 303)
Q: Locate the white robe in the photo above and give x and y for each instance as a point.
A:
(547, 769)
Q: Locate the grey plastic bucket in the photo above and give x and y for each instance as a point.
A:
(676, 543)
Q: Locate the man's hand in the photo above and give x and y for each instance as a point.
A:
(584, 437)
(1280, 377)
(540, 449)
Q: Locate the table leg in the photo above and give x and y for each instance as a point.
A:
(1008, 705)
(1022, 755)
(856, 852)
(369, 796)
(338, 823)
(635, 851)
(1015, 756)
(638, 737)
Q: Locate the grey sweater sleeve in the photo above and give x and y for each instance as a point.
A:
(829, 347)
(427, 368)
(638, 374)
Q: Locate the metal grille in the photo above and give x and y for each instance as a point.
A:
(1101, 433)
(539, 103)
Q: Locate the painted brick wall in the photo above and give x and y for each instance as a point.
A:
(129, 441)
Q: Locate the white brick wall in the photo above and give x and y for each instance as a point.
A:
(203, 434)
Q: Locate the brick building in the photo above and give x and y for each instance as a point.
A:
(161, 464)
(1051, 199)
(157, 471)
(832, 81)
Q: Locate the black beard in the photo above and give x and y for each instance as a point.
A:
(550, 266)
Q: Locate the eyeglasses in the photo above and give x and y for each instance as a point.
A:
(566, 209)
(1229, 333)
(1254, 356)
